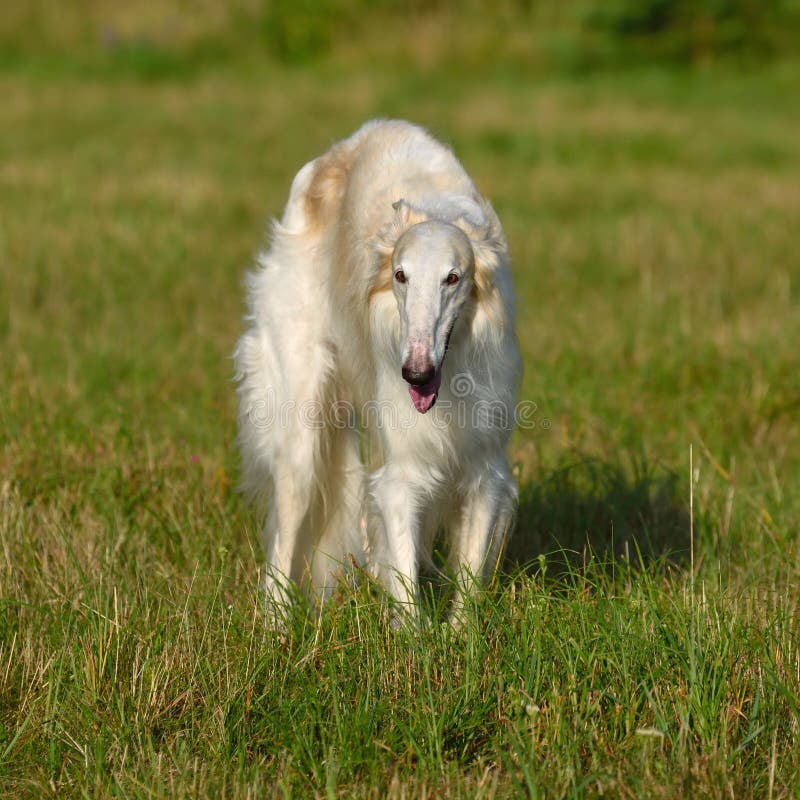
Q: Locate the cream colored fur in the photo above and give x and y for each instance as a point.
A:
(329, 330)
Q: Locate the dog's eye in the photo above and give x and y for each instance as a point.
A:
(451, 279)
(400, 276)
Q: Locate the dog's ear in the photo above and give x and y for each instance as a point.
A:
(405, 215)
(403, 210)
(489, 249)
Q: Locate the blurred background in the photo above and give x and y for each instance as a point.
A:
(174, 38)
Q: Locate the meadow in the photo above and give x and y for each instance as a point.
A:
(642, 638)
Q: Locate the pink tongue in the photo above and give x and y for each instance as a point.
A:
(424, 396)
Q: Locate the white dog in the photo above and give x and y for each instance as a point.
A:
(378, 374)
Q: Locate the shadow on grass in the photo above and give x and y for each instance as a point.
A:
(595, 510)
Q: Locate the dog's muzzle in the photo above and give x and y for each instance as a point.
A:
(417, 378)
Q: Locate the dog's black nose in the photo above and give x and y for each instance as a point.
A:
(416, 378)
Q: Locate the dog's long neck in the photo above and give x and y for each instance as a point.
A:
(449, 208)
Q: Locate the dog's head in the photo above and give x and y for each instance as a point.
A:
(436, 267)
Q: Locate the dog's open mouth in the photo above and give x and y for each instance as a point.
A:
(423, 397)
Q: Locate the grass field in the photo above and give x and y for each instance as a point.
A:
(653, 222)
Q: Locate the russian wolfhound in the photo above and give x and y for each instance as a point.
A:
(378, 373)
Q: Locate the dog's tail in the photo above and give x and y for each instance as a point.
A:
(303, 471)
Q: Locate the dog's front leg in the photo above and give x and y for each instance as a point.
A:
(395, 536)
(481, 525)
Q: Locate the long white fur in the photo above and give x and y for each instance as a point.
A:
(328, 329)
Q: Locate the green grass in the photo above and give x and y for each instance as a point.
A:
(652, 217)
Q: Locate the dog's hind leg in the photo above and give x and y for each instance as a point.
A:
(281, 447)
(341, 542)
(285, 535)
